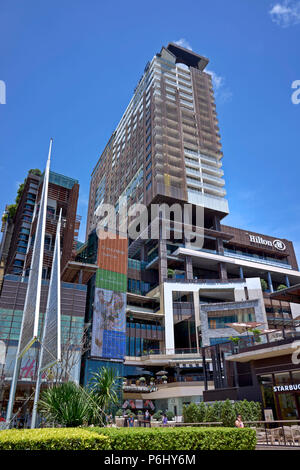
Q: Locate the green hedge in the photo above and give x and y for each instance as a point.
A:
(53, 439)
(185, 438)
(225, 412)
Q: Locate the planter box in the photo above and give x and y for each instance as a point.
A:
(119, 422)
(154, 423)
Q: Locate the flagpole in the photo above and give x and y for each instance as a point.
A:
(19, 353)
(56, 257)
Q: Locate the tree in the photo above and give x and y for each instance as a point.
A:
(210, 414)
(190, 413)
(201, 412)
(105, 386)
(35, 171)
(281, 286)
(264, 284)
(228, 414)
(72, 349)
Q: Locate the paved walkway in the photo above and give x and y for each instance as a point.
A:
(262, 447)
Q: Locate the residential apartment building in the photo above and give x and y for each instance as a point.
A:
(62, 194)
(16, 252)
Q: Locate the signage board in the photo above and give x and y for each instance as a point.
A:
(109, 316)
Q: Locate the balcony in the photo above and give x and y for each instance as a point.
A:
(276, 343)
(215, 179)
(256, 259)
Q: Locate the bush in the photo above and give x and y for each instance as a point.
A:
(53, 439)
(190, 413)
(228, 414)
(188, 438)
(158, 415)
(170, 415)
(224, 412)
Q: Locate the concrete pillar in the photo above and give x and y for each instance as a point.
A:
(162, 255)
(287, 281)
(188, 268)
(222, 271)
(270, 282)
(241, 273)
(220, 246)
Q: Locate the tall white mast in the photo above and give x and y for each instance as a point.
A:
(30, 320)
(50, 352)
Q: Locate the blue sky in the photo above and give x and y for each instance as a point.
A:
(70, 67)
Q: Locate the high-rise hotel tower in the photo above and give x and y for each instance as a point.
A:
(167, 144)
(170, 299)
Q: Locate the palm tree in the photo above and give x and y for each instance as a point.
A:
(105, 387)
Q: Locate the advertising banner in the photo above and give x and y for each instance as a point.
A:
(109, 315)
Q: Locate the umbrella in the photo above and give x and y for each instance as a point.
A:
(263, 332)
(244, 327)
(161, 372)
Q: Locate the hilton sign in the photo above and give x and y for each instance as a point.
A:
(278, 244)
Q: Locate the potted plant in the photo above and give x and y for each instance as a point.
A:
(235, 340)
(256, 333)
(170, 417)
(164, 378)
(171, 273)
(281, 286)
(156, 418)
(142, 380)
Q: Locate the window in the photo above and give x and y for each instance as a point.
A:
(148, 186)
(18, 262)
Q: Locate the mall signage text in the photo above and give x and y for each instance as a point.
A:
(286, 388)
(278, 244)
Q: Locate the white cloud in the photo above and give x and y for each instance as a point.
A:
(286, 13)
(218, 81)
(222, 92)
(183, 43)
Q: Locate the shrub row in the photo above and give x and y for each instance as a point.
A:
(128, 439)
(184, 438)
(53, 439)
(225, 412)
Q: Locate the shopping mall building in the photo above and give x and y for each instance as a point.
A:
(156, 305)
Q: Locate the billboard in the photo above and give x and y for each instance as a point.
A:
(109, 313)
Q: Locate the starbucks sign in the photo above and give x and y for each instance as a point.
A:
(286, 388)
